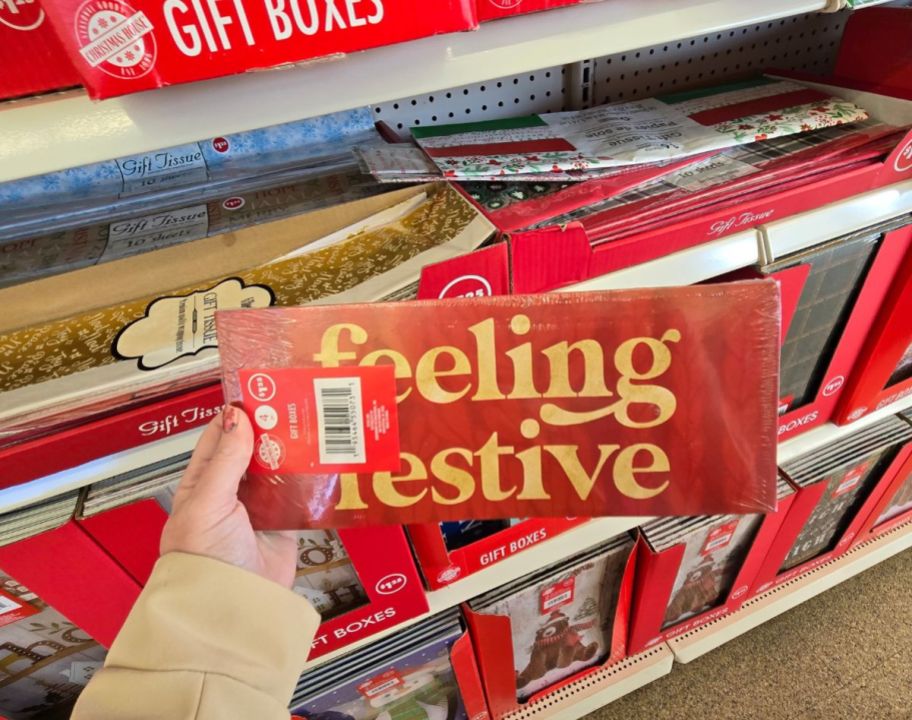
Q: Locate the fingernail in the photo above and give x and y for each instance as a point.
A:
(229, 419)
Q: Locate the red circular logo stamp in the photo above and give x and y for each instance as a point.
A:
(233, 203)
(115, 38)
(269, 452)
(391, 584)
(261, 387)
(220, 144)
(903, 160)
(466, 286)
(21, 14)
(833, 385)
(505, 4)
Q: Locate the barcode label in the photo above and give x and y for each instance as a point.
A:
(340, 424)
(8, 605)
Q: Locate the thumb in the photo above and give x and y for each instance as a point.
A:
(219, 479)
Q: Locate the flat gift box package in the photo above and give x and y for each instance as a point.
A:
(552, 627)
(447, 552)
(425, 672)
(893, 507)
(32, 58)
(152, 334)
(838, 486)
(881, 375)
(831, 295)
(356, 590)
(690, 571)
(129, 47)
(359, 419)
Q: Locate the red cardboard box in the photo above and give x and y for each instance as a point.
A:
(492, 641)
(806, 499)
(131, 535)
(880, 376)
(656, 574)
(125, 46)
(58, 564)
(495, 9)
(32, 58)
(884, 269)
(441, 566)
(893, 507)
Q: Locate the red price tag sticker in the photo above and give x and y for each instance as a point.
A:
(719, 538)
(851, 480)
(321, 420)
(557, 595)
(383, 683)
(13, 609)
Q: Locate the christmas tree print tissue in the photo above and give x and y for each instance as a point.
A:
(640, 131)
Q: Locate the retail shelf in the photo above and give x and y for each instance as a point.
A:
(830, 433)
(776, 601)
(685, 267)
(55, 132)
(597, 689)
(109, 466)
(516, 566)
(816, 226)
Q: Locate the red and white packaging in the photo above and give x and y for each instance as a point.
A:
(131, 534)
(492, 640)
(496, 9)
(876, 380)
(806, 499)
(655, 578)
(126, 46)
(441, 566)
(75, 576)
(884, 270)
(893, 506)
(32, 58)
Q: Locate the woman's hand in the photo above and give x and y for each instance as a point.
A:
(207, 518)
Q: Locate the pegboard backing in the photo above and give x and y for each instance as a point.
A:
(539, 91)
(802, 42)
(807, 42)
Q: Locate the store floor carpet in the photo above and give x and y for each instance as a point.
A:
(844, 655)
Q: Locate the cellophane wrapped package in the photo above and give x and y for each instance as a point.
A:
(636, 402)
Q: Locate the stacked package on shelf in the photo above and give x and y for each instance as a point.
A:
(690, 570)
(108, 338)
(837, 487)
(411, 674)
(96, 213)
(831, 294)
(544, 629)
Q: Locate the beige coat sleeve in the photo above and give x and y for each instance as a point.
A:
(205, 641)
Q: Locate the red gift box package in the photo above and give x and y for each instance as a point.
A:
(496, 9)
(131, 535)
(492, 641)
(122, 47)
(786, 558)
(880, 271)
(32, 58)
(656, 577)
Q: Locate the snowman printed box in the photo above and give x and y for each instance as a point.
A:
(558, 624)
